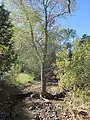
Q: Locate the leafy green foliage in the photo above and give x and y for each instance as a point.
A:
(76, 72)
(27, 58)
(15, 77)
(7, 54)
(24, 79)
(27, 55)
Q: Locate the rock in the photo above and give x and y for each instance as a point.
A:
(37, 117)
(57, 119)
(53, 115)
(35, 95)
(83, 113)
(30, 108)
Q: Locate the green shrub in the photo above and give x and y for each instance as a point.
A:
(14, 76)
(24, 79)
(77, 70)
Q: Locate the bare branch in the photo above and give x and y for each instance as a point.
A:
(58, 15)
(46, 2)
(69, 4)
(31, 32)
(51, 10)
(40, 45)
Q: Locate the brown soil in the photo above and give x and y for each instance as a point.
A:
(31, 107)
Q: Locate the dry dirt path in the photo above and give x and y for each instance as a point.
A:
(36, 109)
(31, 107)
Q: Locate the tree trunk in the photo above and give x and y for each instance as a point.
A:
(43, 71)
(43, 79)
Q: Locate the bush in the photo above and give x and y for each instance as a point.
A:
(19, 79)
(24, 79)
(76, 72)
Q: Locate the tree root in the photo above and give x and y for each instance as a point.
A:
(56, 96)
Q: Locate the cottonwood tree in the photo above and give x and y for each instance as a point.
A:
(45, 13)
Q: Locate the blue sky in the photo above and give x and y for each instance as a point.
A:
(80, 19)
(1, 1)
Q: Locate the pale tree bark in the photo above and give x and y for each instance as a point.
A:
(43, 66)
(43, 81)
(48, 10)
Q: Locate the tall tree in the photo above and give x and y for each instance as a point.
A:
(49, 11)
(7, 53)
(46, 13)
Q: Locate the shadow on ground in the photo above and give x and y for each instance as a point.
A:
(9, 104)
